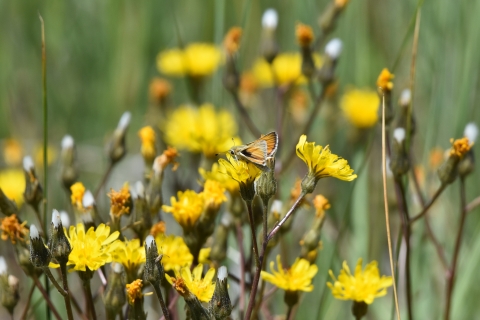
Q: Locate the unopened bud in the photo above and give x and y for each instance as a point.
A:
(9, 286)
(332, 52)
(115, 294)
(153, 272)
(220, 305)
(117, 145)
(269, 46)
(33, 190)
(40, 256)
(7, 206)
(58, 244)
(68, 171)
(399, 162)
(266, 184)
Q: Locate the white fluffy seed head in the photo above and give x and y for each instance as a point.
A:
(88, 200)
(3, 265)
(399, 134)
(277, 206)
(149, 241)
(28, 164)
(34, 232)
(334, 48)
(140, 189)
(124, 121)
(270, 19)
(67, 142)
(56, 219)
(65, 219)
(222, 273)
(405, 97)
(471, 132)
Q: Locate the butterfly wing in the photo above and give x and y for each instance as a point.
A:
(255, 152)
(271, 140)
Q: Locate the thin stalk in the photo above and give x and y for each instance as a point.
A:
(254, 233)
(104, 180)
(245, 116)
(89, 298)
(158, 291)
(44, 293)
(241, 302)
(473, 204)
(453, 269)
(27, 304)
(68, 304)
(289, 312)
(429, 204)
(55, 283)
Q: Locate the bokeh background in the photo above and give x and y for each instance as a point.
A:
(101, 56)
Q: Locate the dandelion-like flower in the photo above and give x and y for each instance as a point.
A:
(13, 229)
(129, 253)
(363, 285)
(147, 137)
(460, 147)
(134, 291)
(201, 130)
(12, 183)
(196, 60)
(213, 193)
(175, 252)
(384, 80)
(120, 201)
(91, 249)
(245, 173)
(187, 208)
(202, 288)
(297, 278)
(77, 192)
(360, 107)
(216, 174)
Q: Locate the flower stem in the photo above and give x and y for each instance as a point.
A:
(68, 304)
(453, 269)
(254, 233)
(47, 298)
(104, 179)
(158, 291)
(27, 304)
(241, 302)
(55, 283)
(88, 295)
(429, 204)
(244, 114)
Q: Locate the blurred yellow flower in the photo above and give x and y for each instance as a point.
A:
(77, 191)
(134, 291)
(287, 69)
(147, 137)
(304, 34)
(120, 201)
(213, 193)
(129, 253)
(202, 288)
(52, 154)
(384, 80)
(231, 42)
(158, 228)
(201, 130)
(196, 60)
(297, 278)
(322, 162)
(363, 285)
(13, 229)
(159, 89)
(460, 147)
(216, 174)
(12, 152)
(91, 249)
(321, 204)
(360, 107)
(187, 209)
(175, 252)
(204, 256)
(12, 183)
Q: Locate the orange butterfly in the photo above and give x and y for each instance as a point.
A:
(258, 151)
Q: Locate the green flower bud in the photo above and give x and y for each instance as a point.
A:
(33, 190)
(116, 147)
(58, 244)
(220, 306)
(40, 256)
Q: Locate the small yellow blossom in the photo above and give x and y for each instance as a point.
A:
(213, 193)
(321, 204)
(158, 228)
(363, 285)
(77, 191)
(287, 69)
(245, 173)
(232, 40)
(91, 249)
(322, 163)
(202, 288)
(159, 89)
(460, 147)
(187, 209)
(196, 60)
(129, 253)
(168, 156)
(52, 154)
(201, 129)
(384, 80)
(147, 137)
(175, 252)
(360, 107)
(297, 278)
(13, 229)
(120, 201)
(12, 183)
(204, 256)
(134, 291)
(304, 34)
(12, 152)
(216, 174)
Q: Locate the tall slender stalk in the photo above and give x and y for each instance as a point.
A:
(47, 298)
(68, 304)
(158, 291)
(429, 204)
(241, 302)
(254, 233)
(27, 304)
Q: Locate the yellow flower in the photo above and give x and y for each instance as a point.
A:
(12, 183)
(147, 136)
(175, 252)
(201, 130)
(202, 288)
(13, 229)
(197, 60)
(231, 42)
(304, 34)
(134, 291)
(78, 190)
(321, 204)
(187, 209)
(322, 163)
(245, 173)
(360, 107)
(159, 89)
(297, 278)
(92, 249)
(363, 285)
(287, 69)
(129, 253)
(12, 152)
(158, 228)
(120, 201)
(213, 193)
(460, 147)
(204, 256)
(384, 80)
(216, 174)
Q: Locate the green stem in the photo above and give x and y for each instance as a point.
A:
(104, 180)
(241, 302)
(158, 291)
(55, 283)
(88, 295)
(68, 304)
(44, 293)
(245, 116)
(425, 209)
(27, 304)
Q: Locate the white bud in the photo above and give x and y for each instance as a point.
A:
(270, 19)
(67, 142)
(117, 267)
(150, 240)
(28, 164)
(88, 200)
(276, 206)
(334, 48)
(3, 265)
(34, 232)
(13, 281)
(222, 273)
(124, 121)
(399, 134)
(56, 220)
(140, 189)
(157, 168)
(405, 97)
(65, 219)
(471, 132)
(227, 219)
(87, 217)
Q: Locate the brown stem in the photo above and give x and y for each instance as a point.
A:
(104, 179)
(254, 232)
(68, 304)
(158, 291)
(453, 269)
(244, 114)
(89, 298)
(473, 204)
(429, 204)
(47, 298)
(274, 231)
(289, 312)
(27, 304)
(241, 302)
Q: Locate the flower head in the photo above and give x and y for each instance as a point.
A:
(363, 285)
(147, 136)
(201, 288)
(187, 209)
(321, 204)
(120, 201)
(175, 252)
(245, 173)
(216, 174)
(12, 152)
(12, 183)
(360, 107)
(134, 291)
(384, 80)
(91, 249)
(214, 193)
(158, 228)
(460, 147)
(196, 60)
(304, 34)
(129, 253)
(232, 40)
(77, 192)
(13, 229)
(168, 156)
(159, 89)
(297, 278)
(201, 130)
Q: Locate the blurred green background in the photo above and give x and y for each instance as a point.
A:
(101, 58)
